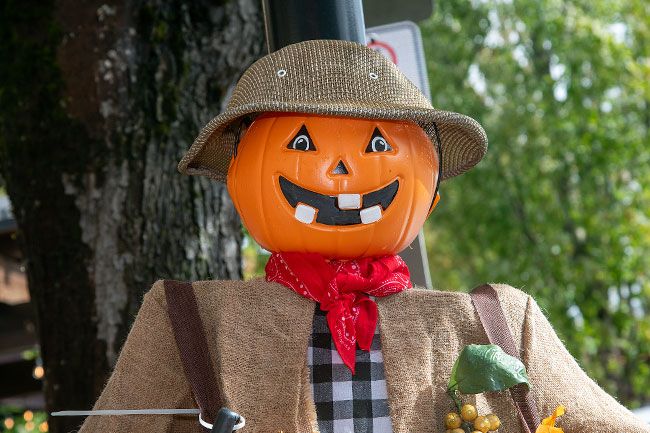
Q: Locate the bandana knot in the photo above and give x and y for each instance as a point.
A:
(343, 289)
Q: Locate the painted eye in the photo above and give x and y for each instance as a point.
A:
(378, 143)
(302, 141)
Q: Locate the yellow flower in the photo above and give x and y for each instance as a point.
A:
(548, 425)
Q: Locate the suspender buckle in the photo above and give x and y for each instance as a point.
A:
(226, 421)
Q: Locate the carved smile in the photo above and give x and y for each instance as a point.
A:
(338, 210)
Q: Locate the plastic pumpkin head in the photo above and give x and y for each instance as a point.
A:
(342, 187)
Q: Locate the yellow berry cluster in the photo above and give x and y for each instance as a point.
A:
(469, 418)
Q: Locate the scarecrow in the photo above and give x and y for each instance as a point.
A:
(333, 160)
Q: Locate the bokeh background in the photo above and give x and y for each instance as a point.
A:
(560, 207)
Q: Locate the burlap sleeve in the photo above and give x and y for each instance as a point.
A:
(558, 379)
(148, 375)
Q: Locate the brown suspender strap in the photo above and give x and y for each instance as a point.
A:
(192, 345)
(486, 302)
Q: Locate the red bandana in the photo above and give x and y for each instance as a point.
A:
(342, 288)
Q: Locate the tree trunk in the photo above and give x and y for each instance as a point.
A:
(98, 102)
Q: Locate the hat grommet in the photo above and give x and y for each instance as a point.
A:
(282, 72)
(373, 76)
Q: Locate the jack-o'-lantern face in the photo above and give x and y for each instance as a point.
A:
(342, 187)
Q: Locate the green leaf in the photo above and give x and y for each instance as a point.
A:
(483, 368)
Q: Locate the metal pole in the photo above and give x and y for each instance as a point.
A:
(291, 21)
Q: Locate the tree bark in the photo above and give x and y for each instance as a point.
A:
(97, 104)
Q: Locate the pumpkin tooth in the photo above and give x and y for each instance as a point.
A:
(349, 201)
(371, 214)
(305, 214)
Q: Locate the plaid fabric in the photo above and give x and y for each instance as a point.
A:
(347, 403)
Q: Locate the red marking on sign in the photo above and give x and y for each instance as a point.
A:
(379, 46)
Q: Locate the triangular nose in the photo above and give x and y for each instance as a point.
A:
(340, 168)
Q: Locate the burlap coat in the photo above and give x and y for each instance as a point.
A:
(258, 334)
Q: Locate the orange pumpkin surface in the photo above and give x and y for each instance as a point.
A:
(342, 187)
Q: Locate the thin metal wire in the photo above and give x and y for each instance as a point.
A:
(104, 412)
(122, 412)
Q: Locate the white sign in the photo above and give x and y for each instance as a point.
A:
(402, 43)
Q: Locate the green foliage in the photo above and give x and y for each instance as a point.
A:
(559, 206)
(484, 368)
(254, 257)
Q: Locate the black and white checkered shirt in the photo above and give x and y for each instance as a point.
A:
(347, 403)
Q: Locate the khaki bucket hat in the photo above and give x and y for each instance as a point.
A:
(337, 78)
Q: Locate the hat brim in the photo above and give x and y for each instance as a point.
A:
(463, 140)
